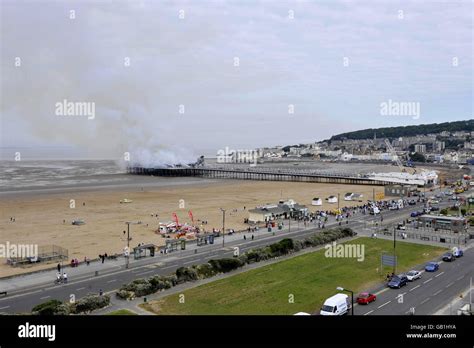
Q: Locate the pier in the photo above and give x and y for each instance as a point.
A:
(257, 174)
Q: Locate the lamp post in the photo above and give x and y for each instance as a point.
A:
(223, 226)
(127, 257)
(394, 249)
(352, 297)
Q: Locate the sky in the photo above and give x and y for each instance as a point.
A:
(171, 80)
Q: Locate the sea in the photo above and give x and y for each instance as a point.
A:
(22, 175)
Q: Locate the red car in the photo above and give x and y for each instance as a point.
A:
(365, 298)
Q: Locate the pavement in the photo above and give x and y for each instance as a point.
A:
(26, 291)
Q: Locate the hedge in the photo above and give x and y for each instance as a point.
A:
(47, 308)
(142, 287)
(85, 304)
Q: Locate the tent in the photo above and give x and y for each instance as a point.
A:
(332, 199)
(317, 201)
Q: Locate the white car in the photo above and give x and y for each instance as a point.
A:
(413, 275)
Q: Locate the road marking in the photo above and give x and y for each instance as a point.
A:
(436, 276)
(170, 266)
(79, 289)
(381, 291)
(386, 303)
(5, 307)
(437, 292)
(45, 297)
(369, 312)
(426, 281)
(460, 278)
(111, 281)
(187, 263)
(144, 272)
(416, 287)
(425, 300)
(449, 285)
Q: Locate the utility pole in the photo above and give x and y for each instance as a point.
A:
(127, 257)
(223, 226)
(394, 249)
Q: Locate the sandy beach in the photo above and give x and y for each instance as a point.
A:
(39, 215)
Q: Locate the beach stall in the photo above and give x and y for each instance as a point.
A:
(316, 201)
(332, 199)
(348, 196)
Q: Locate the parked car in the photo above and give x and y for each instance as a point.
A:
(336, 305)
(434, 208)
(431, 267)
(448, 257)
(416, 213)
(366, 298)
(413, 275)
(398, 281)
(448, 193)
(458, 253)
(412, 202)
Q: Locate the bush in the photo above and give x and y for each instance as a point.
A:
(144, 289)
(90, 303)
(172, 279)
(125, 295)
(257, 255)
(444, 211)
(51, 307)
(225, 265)
(160, 283)
(282, 247)
(205, 270)
(186, 274)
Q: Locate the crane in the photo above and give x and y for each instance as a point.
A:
(394, 154)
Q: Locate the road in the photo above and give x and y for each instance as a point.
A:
(23, 299)
(426, 295)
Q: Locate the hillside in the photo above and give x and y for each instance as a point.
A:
(406, 131)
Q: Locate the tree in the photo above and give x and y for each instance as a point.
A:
(417, 157)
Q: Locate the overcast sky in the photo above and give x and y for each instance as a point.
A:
(288, 53)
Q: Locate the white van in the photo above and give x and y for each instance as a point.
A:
(336, 305)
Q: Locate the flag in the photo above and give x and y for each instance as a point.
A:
(191, 216)
(176, 219)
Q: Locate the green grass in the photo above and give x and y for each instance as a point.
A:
(310, 278)
(122, 312)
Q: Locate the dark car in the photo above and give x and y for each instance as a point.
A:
(411, 202)
(448, 257)
(431, 267)
(398, 281)
(434, 208)
(416, 213)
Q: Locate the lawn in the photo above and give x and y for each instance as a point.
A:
(122, 312)
(309, 279)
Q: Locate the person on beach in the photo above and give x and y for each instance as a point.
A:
(59, 267)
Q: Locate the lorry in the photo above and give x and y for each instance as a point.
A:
(338, 304)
